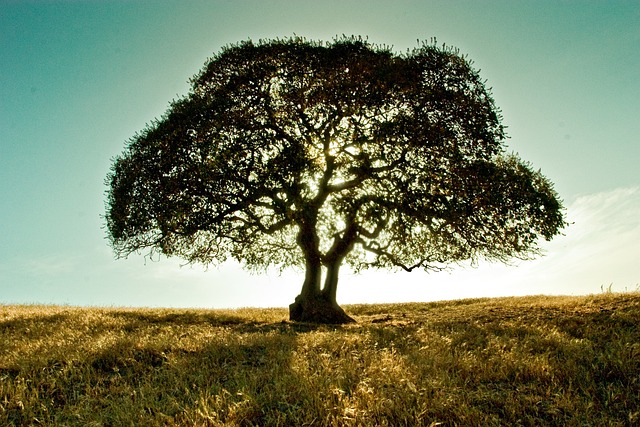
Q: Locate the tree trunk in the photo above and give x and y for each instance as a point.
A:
(320, 306)
(330, 288)
(315, 305)
(318, 309)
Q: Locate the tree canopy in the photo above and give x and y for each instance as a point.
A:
(298, 153)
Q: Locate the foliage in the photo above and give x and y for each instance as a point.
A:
(553, 361)
(291, 152)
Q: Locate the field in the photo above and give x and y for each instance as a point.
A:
(531, 361)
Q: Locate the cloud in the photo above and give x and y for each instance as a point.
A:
(605, 214)
(29, 280)
(599, 248)
(602, 245)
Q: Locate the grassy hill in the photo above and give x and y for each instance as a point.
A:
(565, 361)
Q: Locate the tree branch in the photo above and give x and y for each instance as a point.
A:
(381, 252)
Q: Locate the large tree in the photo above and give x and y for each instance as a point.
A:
(298, 153)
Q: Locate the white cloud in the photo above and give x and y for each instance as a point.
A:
(601, 247)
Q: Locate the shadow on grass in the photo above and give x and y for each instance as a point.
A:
(580, 368)
(516, 367)
(145, 368)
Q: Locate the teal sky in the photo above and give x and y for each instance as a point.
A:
(78, 78)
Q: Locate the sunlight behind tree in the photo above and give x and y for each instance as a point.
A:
(290, 152)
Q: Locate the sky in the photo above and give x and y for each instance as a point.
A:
(79, 78)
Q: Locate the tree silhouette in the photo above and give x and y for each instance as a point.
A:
(298, 153)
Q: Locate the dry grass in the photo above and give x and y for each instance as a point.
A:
(565, 361)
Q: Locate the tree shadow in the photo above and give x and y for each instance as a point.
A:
(553, 366)
(245, 377)
(232, 370)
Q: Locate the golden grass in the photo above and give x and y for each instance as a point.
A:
(565, 361)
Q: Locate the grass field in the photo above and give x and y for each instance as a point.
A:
(533, 361)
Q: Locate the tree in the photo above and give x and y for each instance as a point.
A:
(298, 153)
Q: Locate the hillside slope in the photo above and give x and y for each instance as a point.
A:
(510, 361)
